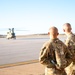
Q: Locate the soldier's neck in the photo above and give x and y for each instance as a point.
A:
(52, 37)
(67, 33)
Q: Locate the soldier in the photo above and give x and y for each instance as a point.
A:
(70, 43)
(53, 54)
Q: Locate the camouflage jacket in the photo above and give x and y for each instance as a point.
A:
(70, 43)
(53, 50)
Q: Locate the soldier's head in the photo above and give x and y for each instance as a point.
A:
(67, 28)
(53, 32)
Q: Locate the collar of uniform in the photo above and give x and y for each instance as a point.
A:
(69, 34)
(53, 40)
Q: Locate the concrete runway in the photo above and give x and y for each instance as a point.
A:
(20, 50)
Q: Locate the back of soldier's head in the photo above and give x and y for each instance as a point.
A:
(53, 31)
(67, 27)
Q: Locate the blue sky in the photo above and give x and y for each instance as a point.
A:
(36, 16)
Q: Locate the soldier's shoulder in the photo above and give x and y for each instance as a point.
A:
(73, 34)
(71, 38)
(61, 42)
(47, 43)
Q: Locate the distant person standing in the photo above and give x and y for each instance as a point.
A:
(13, 34)
(12, 30)
(53, 54)
(70, 43)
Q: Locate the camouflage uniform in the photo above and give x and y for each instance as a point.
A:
(53, 53)
(70, 43)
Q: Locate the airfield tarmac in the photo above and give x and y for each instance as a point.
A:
(22, 49)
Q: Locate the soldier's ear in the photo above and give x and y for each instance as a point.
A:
(48, 33)
(64, 30)
(57, 33)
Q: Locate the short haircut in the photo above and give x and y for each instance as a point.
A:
(68, 24)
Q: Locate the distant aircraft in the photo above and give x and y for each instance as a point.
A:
(11, 32)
